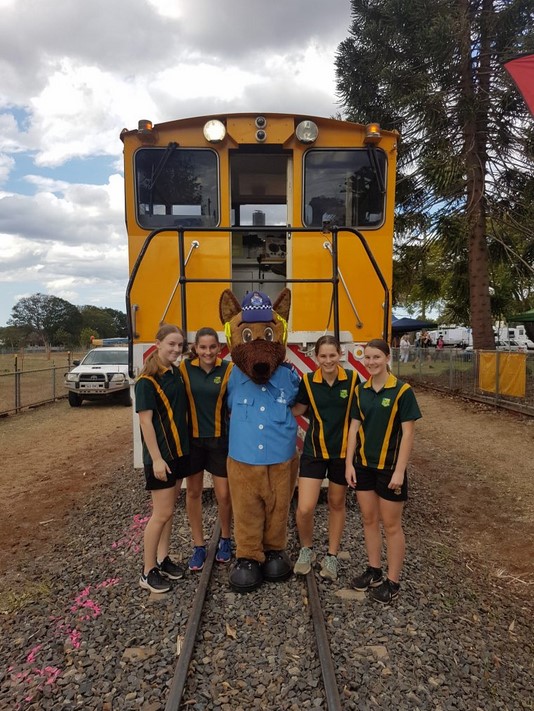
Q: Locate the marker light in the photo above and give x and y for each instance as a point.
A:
(214, 131)
(372, 133)
(307, 131)
(144, 126)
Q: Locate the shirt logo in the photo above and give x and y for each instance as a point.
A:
(217, 380)
(386, 402)
(343, 393)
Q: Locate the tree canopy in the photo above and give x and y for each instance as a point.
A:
(55, 321)
(432, 69)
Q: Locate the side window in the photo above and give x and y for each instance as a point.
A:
(176, 187)
(344, 187)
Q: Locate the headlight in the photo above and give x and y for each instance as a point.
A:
(214, 131)
(307, 131)
(118, 378)
(72, 377)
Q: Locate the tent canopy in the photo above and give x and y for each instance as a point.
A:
(521, 69)
(525, 317)
(406, 325)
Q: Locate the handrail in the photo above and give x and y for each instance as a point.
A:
(183, 280)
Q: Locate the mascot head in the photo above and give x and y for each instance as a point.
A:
(256, 331)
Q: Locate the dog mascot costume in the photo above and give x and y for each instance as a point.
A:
(262, 462)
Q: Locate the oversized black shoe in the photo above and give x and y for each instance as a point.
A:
(277, 566)
(246, 575)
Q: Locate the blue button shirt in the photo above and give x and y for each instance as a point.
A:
(262, 429)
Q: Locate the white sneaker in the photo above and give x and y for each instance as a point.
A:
(329, 567)
(304, 562)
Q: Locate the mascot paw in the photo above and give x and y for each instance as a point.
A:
(246, 575)
(277, 566)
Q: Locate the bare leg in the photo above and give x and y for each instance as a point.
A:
(391, 515)
(336, 515)
(368, 502)
(224, 504)
(158, 529)
(195, 484)
(309, 490)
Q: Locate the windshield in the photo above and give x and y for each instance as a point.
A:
(344, 187)
(102, 357)
(176, 186)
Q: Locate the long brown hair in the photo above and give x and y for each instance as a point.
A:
(153, 365)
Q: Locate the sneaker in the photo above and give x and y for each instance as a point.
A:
(170, 569)
(386, 592)
(198, 558)
(224, 551)
(154, 581)
(329, 567)
(304, 562)
(371, 578)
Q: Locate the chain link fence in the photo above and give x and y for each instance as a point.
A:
(500, 377)
(23, 383)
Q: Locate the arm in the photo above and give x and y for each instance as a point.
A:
(405, 449)
(350, 473)
(299, 409)
(159, 465)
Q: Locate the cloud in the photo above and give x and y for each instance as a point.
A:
(75, 73)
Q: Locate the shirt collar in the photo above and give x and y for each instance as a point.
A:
(196, 362)
(318, 375)
(391, 382)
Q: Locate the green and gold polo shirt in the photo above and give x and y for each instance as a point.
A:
(381, 415)
(329, 409)
(206, 395)
(164, 394)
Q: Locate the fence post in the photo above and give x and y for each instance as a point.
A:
(54, 367)
(17, 386)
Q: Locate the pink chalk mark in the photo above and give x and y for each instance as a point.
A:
(33, 653)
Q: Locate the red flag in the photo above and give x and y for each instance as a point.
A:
(521, 69)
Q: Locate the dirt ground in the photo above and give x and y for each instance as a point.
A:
(475, 461)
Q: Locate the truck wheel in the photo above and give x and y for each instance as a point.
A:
(75, 400)
(124, 398)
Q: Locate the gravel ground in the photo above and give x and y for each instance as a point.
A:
(78, 633)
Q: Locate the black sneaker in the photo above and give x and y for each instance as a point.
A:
(371, 578)
(386, 592)
(171, 570)
(154, 581)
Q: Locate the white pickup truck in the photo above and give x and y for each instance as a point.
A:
(103, 373)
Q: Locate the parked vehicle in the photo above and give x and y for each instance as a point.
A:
(103, 373)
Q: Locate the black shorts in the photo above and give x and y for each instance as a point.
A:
(210, 454)
(332, 469)
(179, 470)
(369, 479)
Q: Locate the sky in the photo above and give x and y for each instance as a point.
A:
(74, 74)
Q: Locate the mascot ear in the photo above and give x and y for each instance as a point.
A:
(229, 306)
(283, 303)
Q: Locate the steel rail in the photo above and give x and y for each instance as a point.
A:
(323, 647)
(180, 673)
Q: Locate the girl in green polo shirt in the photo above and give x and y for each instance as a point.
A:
(326, 395)
(379, 445)
(161, 402)
(206, 376)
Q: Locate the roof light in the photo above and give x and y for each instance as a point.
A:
(372, 133)
(261, 122)
(307, 131)
(260, 135)
(144, 127)
(214, 131)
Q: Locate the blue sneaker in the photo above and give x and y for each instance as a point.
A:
(198, 558)
(224, 551)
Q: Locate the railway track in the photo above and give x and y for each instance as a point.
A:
(183, 669)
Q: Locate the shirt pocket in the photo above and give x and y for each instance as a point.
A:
(242, 409)
(279, 412)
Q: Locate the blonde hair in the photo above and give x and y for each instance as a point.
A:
(153, 365)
